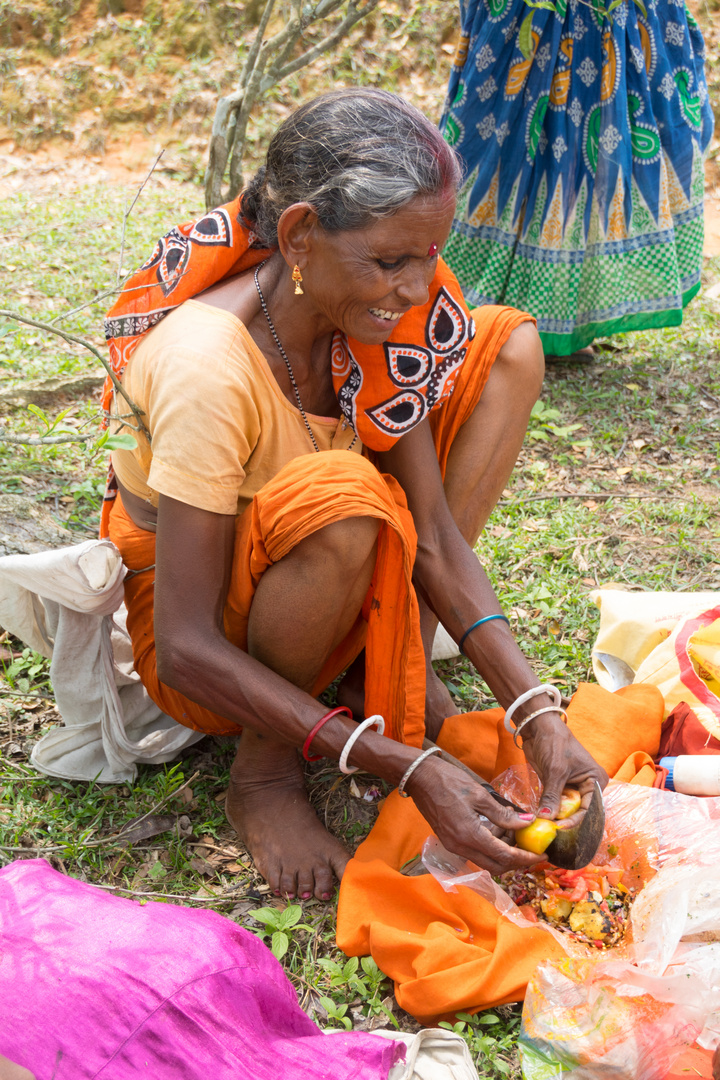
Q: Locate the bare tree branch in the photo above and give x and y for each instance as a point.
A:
(322, 46)
(269, 60)
(255, 47)
(74, 340)
(129, 211)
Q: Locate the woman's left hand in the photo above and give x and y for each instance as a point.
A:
(560, 761)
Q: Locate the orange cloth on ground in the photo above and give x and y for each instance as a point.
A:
(310, 492)
(453, 951)
(693, 1062)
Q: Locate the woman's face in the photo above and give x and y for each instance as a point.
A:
(363, 280)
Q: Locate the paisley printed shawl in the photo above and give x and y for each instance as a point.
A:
(383, 390)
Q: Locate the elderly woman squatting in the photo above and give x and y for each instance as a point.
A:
(262, 563)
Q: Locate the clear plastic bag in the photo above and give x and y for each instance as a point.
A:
(628, 1012)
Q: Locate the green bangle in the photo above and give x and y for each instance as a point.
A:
(487, 618)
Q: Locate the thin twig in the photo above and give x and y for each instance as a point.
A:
(711, 397)
(213, 847)
(580, 495)
(19, 693)
(172, 896)
(118, 291)
(45, 440)
(20, 768)
(129, 211)
(115, 837)
(34, 850)
(6, 313)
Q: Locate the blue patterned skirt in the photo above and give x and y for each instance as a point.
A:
(582, 131)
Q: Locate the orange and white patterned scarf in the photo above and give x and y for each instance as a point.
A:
(383, 390)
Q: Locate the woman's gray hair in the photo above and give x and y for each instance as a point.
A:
(355, 156)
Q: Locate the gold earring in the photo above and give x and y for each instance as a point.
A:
(297, 278)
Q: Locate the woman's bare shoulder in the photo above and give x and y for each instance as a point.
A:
(236, 295)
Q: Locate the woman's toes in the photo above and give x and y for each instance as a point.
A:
(324, 883)
(305, 884)
(288, 884)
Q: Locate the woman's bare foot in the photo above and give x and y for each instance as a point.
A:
(268, 807)
(586, 355)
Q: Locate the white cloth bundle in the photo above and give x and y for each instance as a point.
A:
(67, 603)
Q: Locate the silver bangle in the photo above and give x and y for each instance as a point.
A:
(546, 688)
(538, 712)
(413, 767)
(370, 722)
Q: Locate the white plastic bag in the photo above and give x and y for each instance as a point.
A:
(627, 1012)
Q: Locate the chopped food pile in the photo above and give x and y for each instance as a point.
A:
(590, 905)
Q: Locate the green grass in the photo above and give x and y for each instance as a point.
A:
(618, 483)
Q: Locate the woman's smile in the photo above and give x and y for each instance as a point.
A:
(385, 316)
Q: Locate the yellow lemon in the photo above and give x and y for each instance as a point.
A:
(536, 837)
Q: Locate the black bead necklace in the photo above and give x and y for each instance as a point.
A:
(282, 352)
(284, 355)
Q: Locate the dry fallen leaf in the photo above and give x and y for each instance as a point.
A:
(202, 866)
(234, 868)
(150, 826)
(580, 561)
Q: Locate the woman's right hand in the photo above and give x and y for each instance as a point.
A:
(454, 805)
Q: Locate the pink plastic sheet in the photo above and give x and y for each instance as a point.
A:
(92, 985)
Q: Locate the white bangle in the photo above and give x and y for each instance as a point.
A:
(413, 767)
(372, 721)
(539, 712)
(546, 688)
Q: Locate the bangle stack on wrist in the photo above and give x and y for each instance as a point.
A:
(546, 688)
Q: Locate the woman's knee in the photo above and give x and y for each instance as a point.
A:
(522, 359)
(346, 544)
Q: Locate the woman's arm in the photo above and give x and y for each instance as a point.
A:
(455, 586)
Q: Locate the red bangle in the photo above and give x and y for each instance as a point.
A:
(321, 722)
